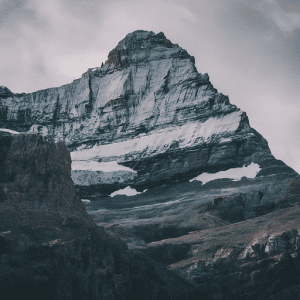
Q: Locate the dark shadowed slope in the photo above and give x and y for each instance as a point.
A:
(50, 248)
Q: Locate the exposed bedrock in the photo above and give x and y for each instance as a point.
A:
(50, 248)
(172, 211)
(256, 259)
(232, 240)
(146, 108)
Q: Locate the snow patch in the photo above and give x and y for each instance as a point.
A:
(9, 131)
(128, 191)
(110, 166)
(225, 140)
(86, 173)
(190, 134)
(234, 173)
(85, 200)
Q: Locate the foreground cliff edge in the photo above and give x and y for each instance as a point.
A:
(49, 246)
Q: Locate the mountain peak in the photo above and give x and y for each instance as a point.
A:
(4, 92)
(147, 108)
(141, 42)
(144, 38)
(139, 34)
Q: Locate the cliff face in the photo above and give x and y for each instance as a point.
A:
(255, 259)
(51, 249)
(37, 175)
(230, 239)
(146, 108)
(147, 119)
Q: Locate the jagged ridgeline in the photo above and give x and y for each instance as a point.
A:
(147, 108)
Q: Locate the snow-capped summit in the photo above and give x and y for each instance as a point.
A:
(148, 109)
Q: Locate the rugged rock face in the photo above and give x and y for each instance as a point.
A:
(37, 175)
(148, 119)
(174, 211)
(216, 236)
(256, 259)
(146, 108)
(50, 248)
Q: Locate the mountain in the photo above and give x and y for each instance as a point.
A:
(147, 108)
(167, 164)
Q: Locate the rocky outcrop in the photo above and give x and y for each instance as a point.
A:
(5, 92)
(230, 239)
(257, 259)
(38, 176)
(50, 248)
(175, 210)
(148, 109)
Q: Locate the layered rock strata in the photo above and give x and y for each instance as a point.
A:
(257, 259)
(230, 239)
(146, 108)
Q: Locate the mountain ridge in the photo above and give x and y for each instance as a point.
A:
(147, 122)
(146, 108)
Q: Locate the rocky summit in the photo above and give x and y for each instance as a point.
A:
(166, 165)
(148, 109)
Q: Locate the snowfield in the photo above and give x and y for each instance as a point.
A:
(86, 173)
(110, 166)
(234, 173)
(128, 191)
(158, 141)
(9, 131)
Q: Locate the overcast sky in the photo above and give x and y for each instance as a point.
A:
(250, 49)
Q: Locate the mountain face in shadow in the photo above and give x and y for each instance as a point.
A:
(50, 248)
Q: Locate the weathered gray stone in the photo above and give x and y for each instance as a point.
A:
(147, 108)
